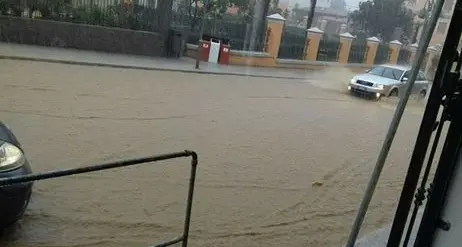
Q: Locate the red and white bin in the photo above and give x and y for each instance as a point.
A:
(224, 54)
(205, 50)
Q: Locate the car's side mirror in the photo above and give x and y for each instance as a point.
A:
(405, 79)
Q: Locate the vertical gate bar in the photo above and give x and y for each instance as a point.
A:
(192, 180)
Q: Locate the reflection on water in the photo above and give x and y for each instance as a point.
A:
(281, 162)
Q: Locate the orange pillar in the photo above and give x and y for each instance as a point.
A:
(314, 37)
(275, 25)
(345, 46)
(413, 49)
(372, 46)
(432, 52)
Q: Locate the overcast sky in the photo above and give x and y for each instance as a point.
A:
(351, 4)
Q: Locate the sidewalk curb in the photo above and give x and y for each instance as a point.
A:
(108, 65)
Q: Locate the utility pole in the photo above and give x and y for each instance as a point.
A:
(309, 23)
(200, 42)
(205, 9)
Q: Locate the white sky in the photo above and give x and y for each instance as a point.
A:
(351, 4)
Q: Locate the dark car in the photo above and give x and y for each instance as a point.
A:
(14, 198)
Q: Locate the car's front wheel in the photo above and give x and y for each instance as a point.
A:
(423, 93)
(394, 93)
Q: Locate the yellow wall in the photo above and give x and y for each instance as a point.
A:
(274, 40)
(345, 46)
(371, 52)
(314, 39)
(394, 53)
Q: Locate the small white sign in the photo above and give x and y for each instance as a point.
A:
(225, 49)
(206, 46)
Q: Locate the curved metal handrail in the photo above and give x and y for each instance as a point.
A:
(117, 164)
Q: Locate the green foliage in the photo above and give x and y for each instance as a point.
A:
(338, 5)
(285, 13)
(136, 18)
(50, 9)
(10, 5)
(298, 14)
(95, 16)
(193, 13)
(382, 17)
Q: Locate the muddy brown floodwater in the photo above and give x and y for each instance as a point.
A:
(282, 162)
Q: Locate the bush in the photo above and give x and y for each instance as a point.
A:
(11, 7)
(138, 18)
(94, 16)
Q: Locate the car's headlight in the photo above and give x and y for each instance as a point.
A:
(353, 80)
(379, 86)
(11, 157)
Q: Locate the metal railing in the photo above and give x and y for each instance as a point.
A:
(123, 163)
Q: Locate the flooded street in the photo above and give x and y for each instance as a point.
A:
(281, 162)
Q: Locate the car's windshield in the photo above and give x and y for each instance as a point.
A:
(387, 72)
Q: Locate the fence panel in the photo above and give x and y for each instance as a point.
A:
(239, 35)
(358, 51)
(328, 50)
(141, 16)
(404, 56)
(383, 54)
(292, 44)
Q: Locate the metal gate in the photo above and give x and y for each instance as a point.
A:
(123, 163)
(292, 44)
(383, 54)
(404, 56)
(328, 50)
(357, 52)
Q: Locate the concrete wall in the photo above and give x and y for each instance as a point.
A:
(79, 36)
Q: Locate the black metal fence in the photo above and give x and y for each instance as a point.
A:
(241, 36)
(292, 43)
(328, 50)
(141, 15)
(383, 54)
(109, 13)
(358, 51)
(4, 182)
(404, 56)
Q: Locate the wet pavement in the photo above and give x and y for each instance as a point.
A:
(126, 61)
(282, 162)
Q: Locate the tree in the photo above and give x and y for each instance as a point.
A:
(285, 14)
(309, 22)
(422, 15)
(338, 5)
(382, 17)
(220, 7)
(274, 7)
(164, 16)
(298, 14)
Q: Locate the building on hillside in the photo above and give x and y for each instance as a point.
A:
(443, 23)
(331, 16)
(283, 5)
